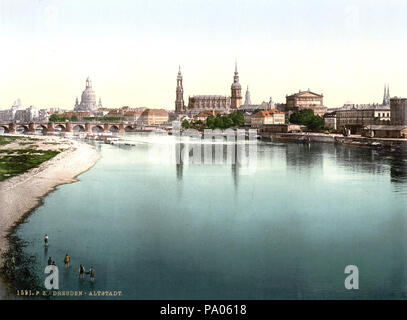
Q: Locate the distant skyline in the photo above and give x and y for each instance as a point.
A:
(345, 49)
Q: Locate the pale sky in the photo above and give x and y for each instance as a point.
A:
(345, 49)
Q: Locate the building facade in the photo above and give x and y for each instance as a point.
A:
(356, 118)
(386, 131)
(398, 110)
(330, 121)
(265, 117)
(305, 100)
(153, 117)
(199, 103)
(18, 113)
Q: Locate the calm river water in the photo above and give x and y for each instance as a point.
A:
(286, 230)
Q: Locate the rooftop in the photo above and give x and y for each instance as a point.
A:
(266, 113)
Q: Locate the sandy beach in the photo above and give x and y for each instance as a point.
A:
(19, 195)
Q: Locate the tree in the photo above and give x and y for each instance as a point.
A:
(237, 118)
(307, 118)
(316, 123)
(228, 122)
(54, 118)
(210, 122)
(302, 117)
(219, 122)
(185, 124)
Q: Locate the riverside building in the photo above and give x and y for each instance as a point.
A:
(265, 117)
(153, 117)
(305, 100)
(356, 116)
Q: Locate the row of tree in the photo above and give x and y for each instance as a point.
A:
(235, 119)
(58, 118)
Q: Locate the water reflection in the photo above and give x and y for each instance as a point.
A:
(398, 163)
(284, 230)
(304, 156)
(179, 170)
(235, 175)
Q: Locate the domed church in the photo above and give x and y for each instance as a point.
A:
(88, 99)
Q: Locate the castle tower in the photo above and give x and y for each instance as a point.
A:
(398, 111)
(179, 100)
(236, 88)
(247, 100)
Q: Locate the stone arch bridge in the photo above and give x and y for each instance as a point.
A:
(47, 127)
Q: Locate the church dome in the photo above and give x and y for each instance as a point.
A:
(88, 98)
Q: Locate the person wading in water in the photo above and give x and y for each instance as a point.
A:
(66, 260)
(81, 271)
(91, 273)
(46, 240)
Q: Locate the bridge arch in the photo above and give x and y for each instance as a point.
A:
(97, 129)
(22, 129)
(4, 129)
(128, 128)
(59, 128)
(41, 129)
(78, 128)
(114, 128)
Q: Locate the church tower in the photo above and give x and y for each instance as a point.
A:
(236, 98)
(179, 100)
(247, 100)
(386, 95)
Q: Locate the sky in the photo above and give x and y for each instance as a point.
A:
(345, 49)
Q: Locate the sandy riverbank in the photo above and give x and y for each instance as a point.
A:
(21, 194)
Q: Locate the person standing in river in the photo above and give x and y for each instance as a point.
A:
(92, 274)
(46, 240)
(81, 271)
(67, 260)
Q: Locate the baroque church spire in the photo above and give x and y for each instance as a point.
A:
(236, 98)
(179, 93)
(247, 100)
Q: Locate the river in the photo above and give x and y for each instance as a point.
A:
(155, 229)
